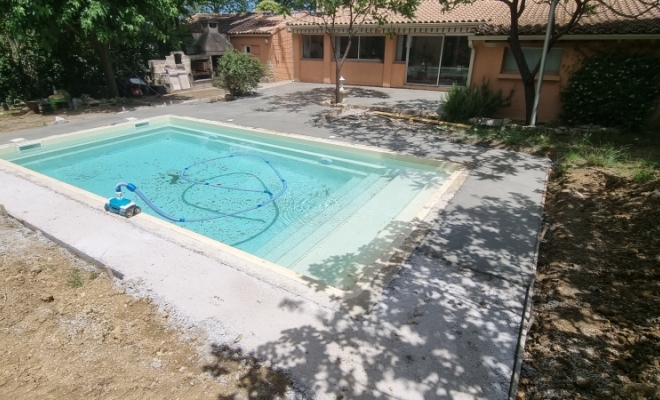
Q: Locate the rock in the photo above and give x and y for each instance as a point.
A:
(60, 120)
(47, 298)
(36, 269)
(639, 391)
(583, 382)
(156, 364)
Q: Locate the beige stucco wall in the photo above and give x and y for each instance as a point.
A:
(274, 50)
(281, 55)
(487, 65)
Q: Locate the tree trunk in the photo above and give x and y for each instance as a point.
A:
(337, 83)
(106, 66)
(530, 93)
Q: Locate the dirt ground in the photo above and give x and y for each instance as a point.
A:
(596, 329)
(23, 118)
(67, 332)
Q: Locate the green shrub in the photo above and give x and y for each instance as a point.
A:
(616, 89)
(463, 103)
(269, 6)
(239, 73)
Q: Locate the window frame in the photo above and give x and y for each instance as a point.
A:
(310, 44)
(552, 70)
(247, 49)
(338, 48)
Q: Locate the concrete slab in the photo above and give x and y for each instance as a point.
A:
(446, 327)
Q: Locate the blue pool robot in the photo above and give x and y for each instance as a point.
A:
(120, 205)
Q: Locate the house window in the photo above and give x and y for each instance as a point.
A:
(401, 48)
(362, 47)
(533, 56)
(313, 47)
(247, 49)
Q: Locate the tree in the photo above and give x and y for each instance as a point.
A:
(220, 6)
(269, 6)
(350, 16)
(576, 9)
(99, 23)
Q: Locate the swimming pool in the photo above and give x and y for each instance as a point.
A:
(342, 209)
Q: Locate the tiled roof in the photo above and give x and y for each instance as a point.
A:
(259, 24)
(241, 23)
(491, 17)
(428, 12)
(621, 17)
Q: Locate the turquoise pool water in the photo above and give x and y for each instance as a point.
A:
(339, 213)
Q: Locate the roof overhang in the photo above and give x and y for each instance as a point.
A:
(400, 28)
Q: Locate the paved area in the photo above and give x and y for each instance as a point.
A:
(447, 325)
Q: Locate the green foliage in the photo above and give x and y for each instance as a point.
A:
(463, 103)
(220, 6)
(75, 280)
(100, 25)
(239, 73)
(614, 90)
(269, 6)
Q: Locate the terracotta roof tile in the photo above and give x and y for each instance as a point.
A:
(491, 17)
(241, 23)
(622, 17)
(259, 24)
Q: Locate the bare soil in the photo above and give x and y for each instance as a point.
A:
(596, 329)
(67, 332)
(23, 118)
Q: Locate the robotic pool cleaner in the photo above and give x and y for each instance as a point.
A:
(120, 205)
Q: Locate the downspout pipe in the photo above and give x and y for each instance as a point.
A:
(546, 45)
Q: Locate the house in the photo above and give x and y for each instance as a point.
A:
(263, 35)
(467, 45)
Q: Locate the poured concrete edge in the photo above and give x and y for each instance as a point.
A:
(356, 300)
(527, 317)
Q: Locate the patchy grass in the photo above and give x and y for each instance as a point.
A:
(75, 279)
(632, 155)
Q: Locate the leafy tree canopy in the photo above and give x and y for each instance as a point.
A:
(269, 6)
(220, 6)
(99, 23)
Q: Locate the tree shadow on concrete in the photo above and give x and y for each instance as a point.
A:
(297, 101)
(504, 242)
(437, 331)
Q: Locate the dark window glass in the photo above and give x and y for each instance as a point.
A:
(343, 43)
(401, 48)
(313, 47)
(372, 48)
(533, 56)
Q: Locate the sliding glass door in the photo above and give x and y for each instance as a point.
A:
(438, 60)
(424, 59)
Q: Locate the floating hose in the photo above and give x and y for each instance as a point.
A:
(183, 176)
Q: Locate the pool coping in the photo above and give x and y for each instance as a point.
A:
(357, 300)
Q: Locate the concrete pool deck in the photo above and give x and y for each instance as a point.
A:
(447, 325)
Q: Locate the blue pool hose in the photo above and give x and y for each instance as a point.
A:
(183, 176)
